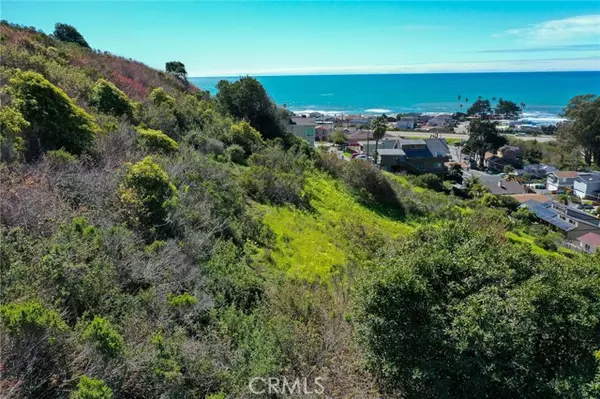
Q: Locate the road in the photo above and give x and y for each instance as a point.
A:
(409, 133)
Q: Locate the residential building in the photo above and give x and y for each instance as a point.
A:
(572, 222)
(441, 120)
(587, 186)
(303, 128)
(561, 180)
(536, 170)
(589, 242)
(406, 122)
(368, 147)
(322, 132)
(505, 187)
(416, 156)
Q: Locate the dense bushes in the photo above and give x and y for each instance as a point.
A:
(276, 176)
(458, 312)
(156, 140)
(148, 194)
(109, 99)
(56, 122)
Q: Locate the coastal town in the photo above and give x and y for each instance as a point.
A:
(566, 201)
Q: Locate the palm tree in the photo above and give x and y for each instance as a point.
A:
(379, 126)
(459, 105)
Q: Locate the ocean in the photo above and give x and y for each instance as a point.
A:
(543, 93)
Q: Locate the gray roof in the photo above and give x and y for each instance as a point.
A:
(412, 142)
(390, 151)
(298, 120)
(508, 187)
(591, 178)
(438, 146)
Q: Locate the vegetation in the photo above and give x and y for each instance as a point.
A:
(183, 245)
(54, 119)
(483, 137)
(68, 33)
(582, 132)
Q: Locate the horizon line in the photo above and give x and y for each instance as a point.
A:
(387, 73)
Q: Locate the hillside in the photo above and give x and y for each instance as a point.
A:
(157, 242)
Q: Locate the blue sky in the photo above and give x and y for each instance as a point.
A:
(273, 38)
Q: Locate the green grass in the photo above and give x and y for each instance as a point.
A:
(310, 244)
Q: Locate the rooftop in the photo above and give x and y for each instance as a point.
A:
(522, 198)
(591, 239)
(508, 187)
(589, 178)
(566, 174)
(390, 151)
(298, 120)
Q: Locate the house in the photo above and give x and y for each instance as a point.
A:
(561, 181)
(587, 185)
(536, 170)
(322, 132)
(441, 120)
(417, 156)
(391, 159)
(505, 187)
(572, 222)
(303, 128)
(406, 122)
(368, 147)
(504, 156)
(589, 242)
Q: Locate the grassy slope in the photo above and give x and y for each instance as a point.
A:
(310, 243)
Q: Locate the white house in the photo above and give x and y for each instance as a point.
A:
(559, 181)
(441, 120)
(406, 122)
(587, 185)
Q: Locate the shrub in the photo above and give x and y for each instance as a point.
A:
(245, 136)
(58, 158)
(159, 97)
(56, 122)
(235, 153)
(68, 33)
(105, 337)
(156, 140)
(430, 181)
(91, 388)
(183, 300)
(147, 193)
(546, 243)
(12, 125)
(276, 176)
(458, 312)
(29, 319)
(370, 183)
(109, 99)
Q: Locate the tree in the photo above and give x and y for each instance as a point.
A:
(56, 121)
(68, 33)
(458, 312)
(507, 109)
(483, 137)
(247, 99)
(177, 69)
(338, 138)
(12, 125)
(509, 169)
(379, 126)
(480, 107)
(583, 129)
(109, 99)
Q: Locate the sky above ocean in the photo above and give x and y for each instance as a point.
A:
(230, 38)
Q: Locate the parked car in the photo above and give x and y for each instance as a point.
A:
(364, 157)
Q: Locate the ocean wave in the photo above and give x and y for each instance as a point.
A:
(328, 113)
(378, 110)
